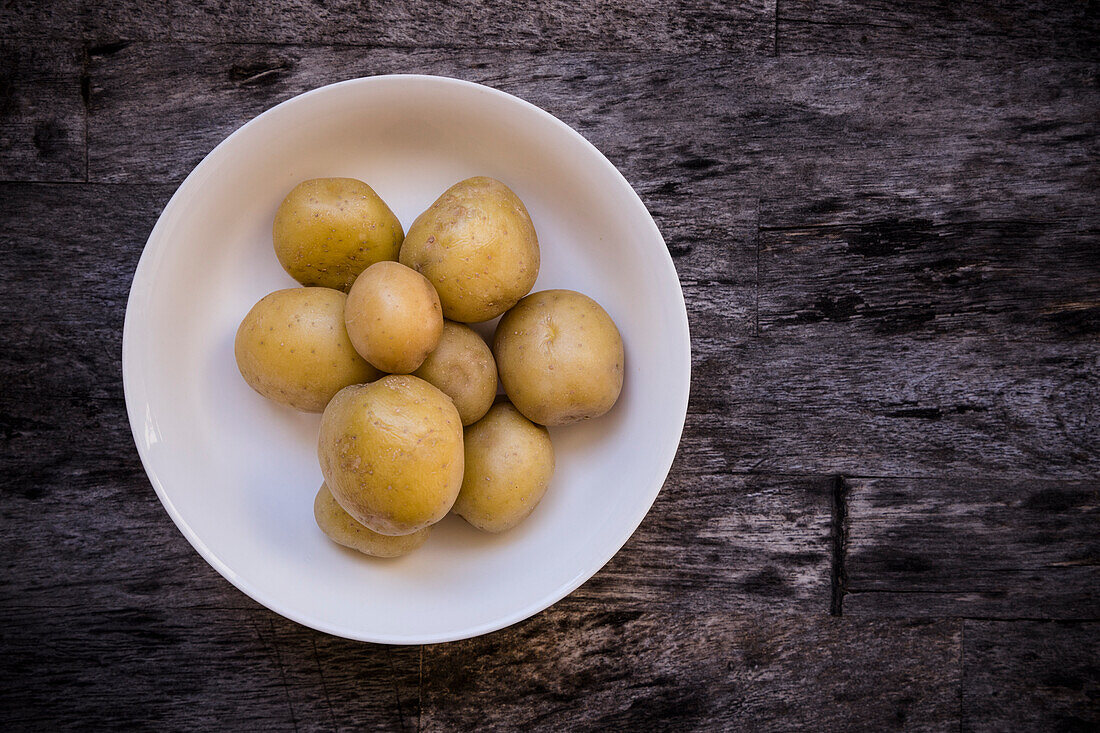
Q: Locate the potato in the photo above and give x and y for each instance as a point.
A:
(477, 246)
(509, 464)
(342, 529)
(292, 347)
(328, 230)
(462, 367)
(560, 357)
(393, 317)
(391, 453)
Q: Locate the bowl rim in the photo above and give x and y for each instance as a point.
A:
(136, 398)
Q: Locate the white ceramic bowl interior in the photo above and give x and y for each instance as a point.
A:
(238, 473)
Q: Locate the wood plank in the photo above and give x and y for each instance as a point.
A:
(196, 669)
(957, 347)
(951, 142)
(1018, 139)
(1030, 676)
(719, 542)
(938, 229)
(613, 25)
(879, 28)
(637, 670)
(894, 405)
(1006, 279)
(42, 116)
(973, 547)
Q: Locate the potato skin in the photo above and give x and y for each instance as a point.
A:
(391, 453)
(477, 246)
(509, 464)
(328, 230)
(560, 357)
(341, 528)
(292, 348)
(393, 317)
(462, 366)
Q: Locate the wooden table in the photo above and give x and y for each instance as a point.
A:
(885, 512)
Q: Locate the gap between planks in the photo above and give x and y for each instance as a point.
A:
(838, 575)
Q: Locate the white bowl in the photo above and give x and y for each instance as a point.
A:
(238, 473)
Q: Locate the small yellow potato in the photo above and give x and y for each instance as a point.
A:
(509, 464)
(341, 528)
(477, 246)
(391, 453)
(462, 367)
(393, 317)
(560, 357)
(293, 348)
(328, 230)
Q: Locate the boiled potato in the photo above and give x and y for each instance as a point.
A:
(328, 230)
(462, 367)
(393, 317)
(391, 453)
(509, 463)
(560, 357)
(477, 246)
(293, 348)
(342, 529)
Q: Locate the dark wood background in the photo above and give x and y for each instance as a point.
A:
(885, 512)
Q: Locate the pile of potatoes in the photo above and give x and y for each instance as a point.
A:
(412, 427)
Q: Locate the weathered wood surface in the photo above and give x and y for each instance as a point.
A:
(929, 28)
(644, 25)
(42, 113)
(1017, 131)
(1033, 675)
(209, 668)
(979, 547)
(643, 671)
(888, 241)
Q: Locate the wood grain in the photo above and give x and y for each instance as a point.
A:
(1030, 675)
(67, 445)
(645, 25)
(895, 405)
(196, 669)
(724, 543)
(648, 25)
(1013, 280)
(40, 20)
(739, 131)
(978, 548)
(927, 28)
(639, 670)
(42, 120)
